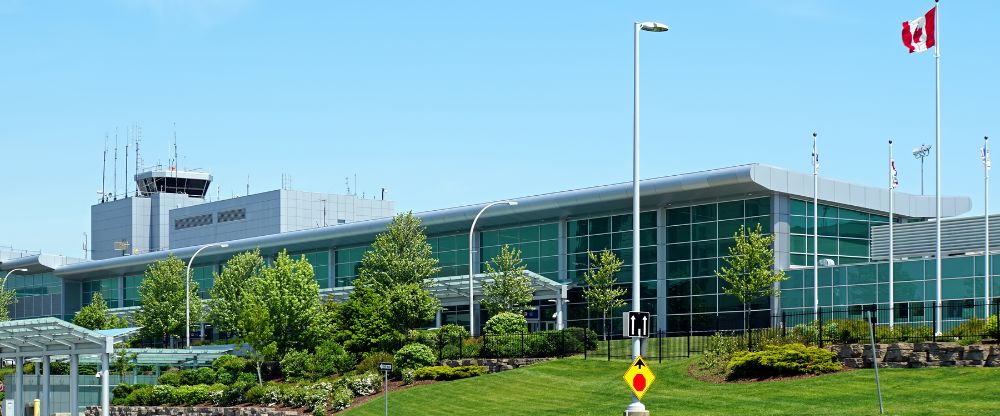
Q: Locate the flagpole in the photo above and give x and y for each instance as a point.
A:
(815, 228)
(892, 257)
(986, 224)
(937, 165)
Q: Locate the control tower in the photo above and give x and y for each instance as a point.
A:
(139, 223)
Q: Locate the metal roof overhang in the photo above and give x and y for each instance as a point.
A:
(689, 188)
(454, 290)
(165, 356)
(40, 263)
(53, 337)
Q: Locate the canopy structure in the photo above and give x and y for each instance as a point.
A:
(454, 290)
(173, 357)
(46, 338)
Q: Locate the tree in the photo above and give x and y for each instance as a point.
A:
(750, 270)
(8, 297)
(163, 302)
(399, 255)
(290, 293)
(508, 289)
(96, 315)
(601, 293)
(366, 320)
(256, 327)
(123, 361)
(397, 268)
(230, 285)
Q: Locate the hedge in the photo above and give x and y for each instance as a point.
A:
(442, 372)
(783, 360)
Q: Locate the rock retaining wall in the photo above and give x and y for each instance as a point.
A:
(190, 411)
(494, 365)
(918, 354)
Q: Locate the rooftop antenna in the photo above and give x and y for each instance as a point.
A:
(104, 171)
(176, 160)
(383, 193)
(248, 184)
(138, 158)
(128, 138)
(355, 184)
(85, 251)
(115, 186)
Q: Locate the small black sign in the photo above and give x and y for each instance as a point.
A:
(635, 324)
(385, 366)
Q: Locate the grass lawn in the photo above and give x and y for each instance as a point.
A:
(593, 387)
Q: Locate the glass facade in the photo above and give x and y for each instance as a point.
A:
(962, 285)
(698, 238)
(38, 295)
(347, 261)
(539, 245)
(612, 232)
(452, 252)
(132, 284)
(320, 261)
(108, 288)
(844, 234)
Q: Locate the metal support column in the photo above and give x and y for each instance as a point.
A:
(105, 385)
(19, 384)
(46, 369)
(74, 385)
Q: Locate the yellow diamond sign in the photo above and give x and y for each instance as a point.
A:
(639, 377)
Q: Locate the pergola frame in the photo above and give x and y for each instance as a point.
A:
(46, 338)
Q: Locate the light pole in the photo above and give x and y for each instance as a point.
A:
(10, 273)
(472, 315)
(920, 153)
(187, 294)
(636, 407)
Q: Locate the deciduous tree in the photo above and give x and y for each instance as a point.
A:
(749, 268)
(161, 295)
(508, 289)
(230, 286)
(96, 315)
(600, 292)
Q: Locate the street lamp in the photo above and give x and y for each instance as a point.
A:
(187, 294)
(12, 272)
(472, 315)
(920, 153)
(636, 407)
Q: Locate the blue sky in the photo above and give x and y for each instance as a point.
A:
(453, 103)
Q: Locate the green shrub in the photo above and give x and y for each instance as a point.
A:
(469, 347)
(407, 376)
(319, 411)
(170, 378)
(506, 323)
(423, 336)
(443, 372)
(228, 367)
(160, 395)
(414, 356)
(264, 394)
(587, 337)
(234, 393)
(719, 349)
(296, 365)
(366, 384)
(140, 396)
(554, 343)
(121, 391)
(784, 360)
(451, 333)
(993, 326)
(970, 331)
(331, 358)
(342, 398)
(190, 395)
(369, 361)
(204, 375)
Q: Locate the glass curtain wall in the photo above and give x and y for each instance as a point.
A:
(539, 245)
(452, 252)
(347, 261)
(320, 261)
(850, 286)
(844, 234)
(38, 295)
(108, 288)
(611, 232)
(698, 238)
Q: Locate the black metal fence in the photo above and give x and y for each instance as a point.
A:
(542, 344)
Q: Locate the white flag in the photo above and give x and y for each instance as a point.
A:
(893, 179)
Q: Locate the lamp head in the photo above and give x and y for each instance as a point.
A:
(653, 27)
(512, 203)
(224, 245)
(22, 270)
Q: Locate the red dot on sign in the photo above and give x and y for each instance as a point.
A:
(639, 382)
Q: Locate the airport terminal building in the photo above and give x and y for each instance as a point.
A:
(687, 223)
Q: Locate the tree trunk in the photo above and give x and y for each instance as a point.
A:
(605, 321)
(260, 380)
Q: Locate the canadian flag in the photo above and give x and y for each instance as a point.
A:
(918, 34)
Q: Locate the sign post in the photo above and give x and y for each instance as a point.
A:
(386, 368)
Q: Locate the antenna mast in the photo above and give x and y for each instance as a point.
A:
(129, 134)
(138, 158)
(104, 171)
(115, 186)
(176, 160)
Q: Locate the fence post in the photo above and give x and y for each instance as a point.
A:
(522, 344)
(461, 347)
(659, 345)
(784, 326)
(609, 346)
(562, 343)
(689, 342)
(586, 342)
(934, 317)
(820, 335)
